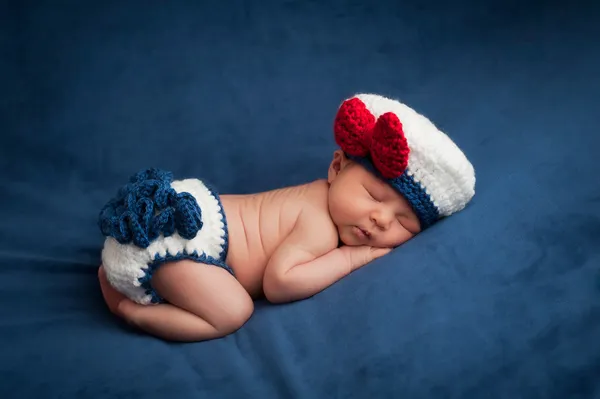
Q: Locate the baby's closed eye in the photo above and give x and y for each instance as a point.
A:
(378, 193)
(373, 197)
(409, 222)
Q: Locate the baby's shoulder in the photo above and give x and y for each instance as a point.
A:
(314, 199)
(314, 219)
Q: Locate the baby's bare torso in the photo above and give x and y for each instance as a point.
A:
(259, 223)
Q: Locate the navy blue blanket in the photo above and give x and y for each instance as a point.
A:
(499, 301)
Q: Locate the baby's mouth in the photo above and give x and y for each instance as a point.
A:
(364, 232)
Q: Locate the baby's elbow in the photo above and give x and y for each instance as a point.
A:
(275, 289)
(275, 297)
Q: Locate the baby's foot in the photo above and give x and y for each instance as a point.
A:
(112, 297)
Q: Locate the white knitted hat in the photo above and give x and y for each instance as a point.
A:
(408, 151)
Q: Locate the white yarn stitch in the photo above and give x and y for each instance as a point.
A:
(435, 161)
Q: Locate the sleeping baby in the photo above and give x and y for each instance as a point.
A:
(183, 263)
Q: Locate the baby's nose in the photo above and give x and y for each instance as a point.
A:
(383, 218)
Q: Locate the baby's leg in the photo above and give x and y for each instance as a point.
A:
(205, 302)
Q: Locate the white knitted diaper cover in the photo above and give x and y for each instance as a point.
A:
(153, 220)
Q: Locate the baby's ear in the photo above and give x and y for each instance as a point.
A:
(337, 164)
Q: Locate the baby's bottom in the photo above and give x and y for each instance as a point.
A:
(204, 302)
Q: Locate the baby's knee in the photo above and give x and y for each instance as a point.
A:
(235, 314)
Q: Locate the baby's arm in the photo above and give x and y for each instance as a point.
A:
(308, 261)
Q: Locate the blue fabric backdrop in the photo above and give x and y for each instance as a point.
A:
(499, 301)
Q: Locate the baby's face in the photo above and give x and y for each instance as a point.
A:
(365, 209)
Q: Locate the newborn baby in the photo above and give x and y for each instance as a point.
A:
(183, 263)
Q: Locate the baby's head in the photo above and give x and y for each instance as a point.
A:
(395, 173)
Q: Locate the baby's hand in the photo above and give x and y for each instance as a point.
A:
(359, 256)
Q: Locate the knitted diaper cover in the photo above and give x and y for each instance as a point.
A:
(154, 219)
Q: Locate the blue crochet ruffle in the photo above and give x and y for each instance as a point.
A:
(146, 207)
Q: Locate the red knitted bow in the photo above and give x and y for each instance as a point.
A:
(359, 134)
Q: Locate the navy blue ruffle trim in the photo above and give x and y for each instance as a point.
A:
(146, 207)
(160, 260)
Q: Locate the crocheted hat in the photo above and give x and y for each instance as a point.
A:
(405, 149)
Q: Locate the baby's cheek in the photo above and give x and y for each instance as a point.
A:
(347, 237)
(398, 237)
(337, 214)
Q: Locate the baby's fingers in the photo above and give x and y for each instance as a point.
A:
(379, 252)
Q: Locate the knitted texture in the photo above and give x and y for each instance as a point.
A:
(409, 152)
(129, 266)
(353, 127)
(360, 135)
(146, 207)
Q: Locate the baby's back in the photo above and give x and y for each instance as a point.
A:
(258, 223)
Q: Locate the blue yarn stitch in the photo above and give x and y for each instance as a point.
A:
(160, 260)
(420, 201)
(225, 247)
(146, 207)
(414, 193)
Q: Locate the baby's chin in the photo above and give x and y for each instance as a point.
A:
(347, 238)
